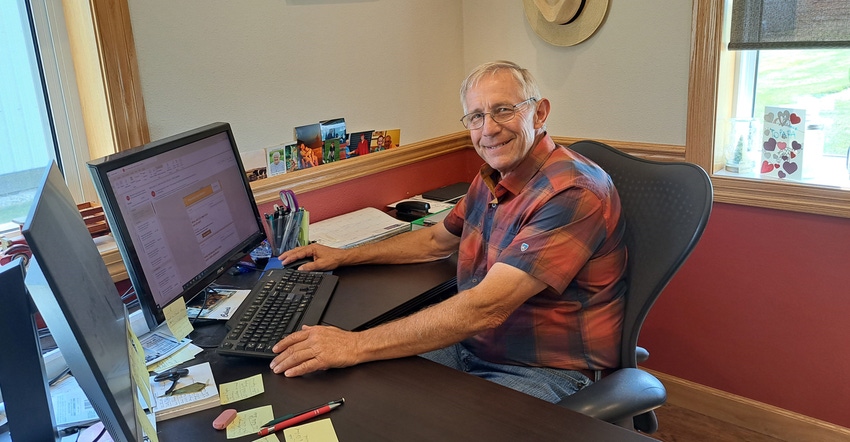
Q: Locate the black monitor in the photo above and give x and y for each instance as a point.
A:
(71, 287)
(22, 378)
(182, 212)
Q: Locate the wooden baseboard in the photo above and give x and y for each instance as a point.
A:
(747, 413)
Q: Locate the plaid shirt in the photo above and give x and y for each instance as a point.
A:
(556, 217)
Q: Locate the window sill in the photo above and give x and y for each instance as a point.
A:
(830, 172)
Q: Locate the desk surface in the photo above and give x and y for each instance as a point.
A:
(406, 399)
(372, 294)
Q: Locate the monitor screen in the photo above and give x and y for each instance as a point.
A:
(71, 288)
(182, 212)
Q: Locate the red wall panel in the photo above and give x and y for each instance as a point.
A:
(761, 310)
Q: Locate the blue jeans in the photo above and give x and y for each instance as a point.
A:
(549, 384)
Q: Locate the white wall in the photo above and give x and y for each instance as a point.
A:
(267, 66)
(629, 81)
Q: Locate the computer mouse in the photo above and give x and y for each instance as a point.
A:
(298, 263)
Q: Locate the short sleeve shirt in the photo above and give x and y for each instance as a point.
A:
(557, 218)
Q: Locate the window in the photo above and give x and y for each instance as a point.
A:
(814, 83)
(712, 105)
(39, 109)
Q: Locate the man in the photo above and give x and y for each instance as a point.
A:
(541, 260)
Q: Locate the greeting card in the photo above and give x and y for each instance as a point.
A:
(782, 150)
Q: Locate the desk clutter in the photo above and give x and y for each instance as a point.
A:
(172, 389)
(182, 391)
(169, 388)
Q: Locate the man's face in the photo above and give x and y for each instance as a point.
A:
(502, 145)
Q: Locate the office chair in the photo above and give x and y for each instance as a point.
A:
(666, 207)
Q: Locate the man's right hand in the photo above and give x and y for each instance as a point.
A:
(314, 256)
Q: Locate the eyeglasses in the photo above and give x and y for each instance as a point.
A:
(502, 114)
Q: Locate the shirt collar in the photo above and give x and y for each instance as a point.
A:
(519, 177)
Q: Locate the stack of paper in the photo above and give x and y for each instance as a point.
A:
(160, 344)
(356, 228)
(195, 392)
(70, 404)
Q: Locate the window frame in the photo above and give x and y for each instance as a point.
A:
(710, 91)
(58, 76)
(100, 36)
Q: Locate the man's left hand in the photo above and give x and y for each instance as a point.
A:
(314, 348)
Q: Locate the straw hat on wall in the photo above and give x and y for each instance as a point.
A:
(565, 22)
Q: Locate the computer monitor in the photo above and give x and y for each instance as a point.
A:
(72, 290)
(182, 212)
(23, 378)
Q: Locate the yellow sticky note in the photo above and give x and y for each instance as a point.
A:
(319, 431)
(145, 422)
(177, 319)
(137, 365)
(241, 389)
(268, 438)
(249, 421)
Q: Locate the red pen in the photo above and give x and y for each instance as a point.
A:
(318, 411)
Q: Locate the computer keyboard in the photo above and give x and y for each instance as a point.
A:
(281, 302)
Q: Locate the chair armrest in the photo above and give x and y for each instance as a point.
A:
(641, 354)
(621, 395)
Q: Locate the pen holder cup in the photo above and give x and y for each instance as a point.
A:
(287, 229)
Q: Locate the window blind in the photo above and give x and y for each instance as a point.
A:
(790, 24)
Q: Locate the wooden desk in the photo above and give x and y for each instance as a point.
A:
(410, 399)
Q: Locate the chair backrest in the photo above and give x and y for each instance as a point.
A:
(666, 206)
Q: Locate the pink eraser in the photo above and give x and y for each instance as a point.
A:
(224, 419)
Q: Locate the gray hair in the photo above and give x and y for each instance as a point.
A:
(523, 77)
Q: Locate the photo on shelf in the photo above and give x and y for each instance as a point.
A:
(331, 150)
(392, 138)
(335, 128)
(309, 137)
(290, 152)
(358, 143)
(385, 140)
(306, 156)
(276, 157)
(255, 164)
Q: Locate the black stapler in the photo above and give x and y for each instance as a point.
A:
(411, 210)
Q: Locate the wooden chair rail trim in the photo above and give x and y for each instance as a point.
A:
(339, 172)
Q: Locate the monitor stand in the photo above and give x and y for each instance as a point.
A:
(23, 379)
